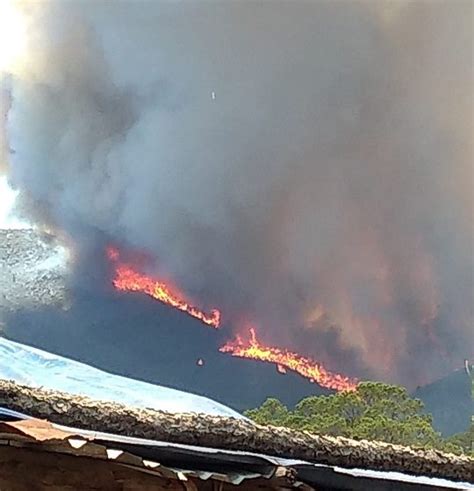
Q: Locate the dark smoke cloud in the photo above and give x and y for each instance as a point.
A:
(286, 161)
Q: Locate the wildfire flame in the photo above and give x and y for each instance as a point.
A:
(308, 368)
(129, 280)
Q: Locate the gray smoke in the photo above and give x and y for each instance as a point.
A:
(5, 101)
(306, 166)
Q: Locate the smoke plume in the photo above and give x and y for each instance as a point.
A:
(305, 166)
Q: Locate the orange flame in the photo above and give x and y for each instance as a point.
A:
(315, 372)
(129, 280)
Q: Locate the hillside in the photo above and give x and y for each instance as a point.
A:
(137, 337)
(42, 304)
(450, 402)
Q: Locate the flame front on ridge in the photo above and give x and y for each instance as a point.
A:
(129, 280)
(255, 350)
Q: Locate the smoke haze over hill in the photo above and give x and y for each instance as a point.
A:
(303, 166)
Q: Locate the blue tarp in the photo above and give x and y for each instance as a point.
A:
(33, 367)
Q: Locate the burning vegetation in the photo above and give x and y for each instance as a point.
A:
(127, 279)
(253, 349)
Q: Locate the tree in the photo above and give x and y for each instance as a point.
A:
(464, 440)
(271, 410)
(374, 411)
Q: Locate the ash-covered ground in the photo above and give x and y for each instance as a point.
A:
(46, 304)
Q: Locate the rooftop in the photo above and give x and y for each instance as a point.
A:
(234, 447)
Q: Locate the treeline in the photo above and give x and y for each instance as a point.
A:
(374, 411)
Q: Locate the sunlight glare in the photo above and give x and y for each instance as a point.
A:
(12, 34)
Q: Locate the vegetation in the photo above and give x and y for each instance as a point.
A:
(464, 440)
(374, 411)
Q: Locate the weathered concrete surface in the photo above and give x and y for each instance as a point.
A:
(229, 433)
(33, 270)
